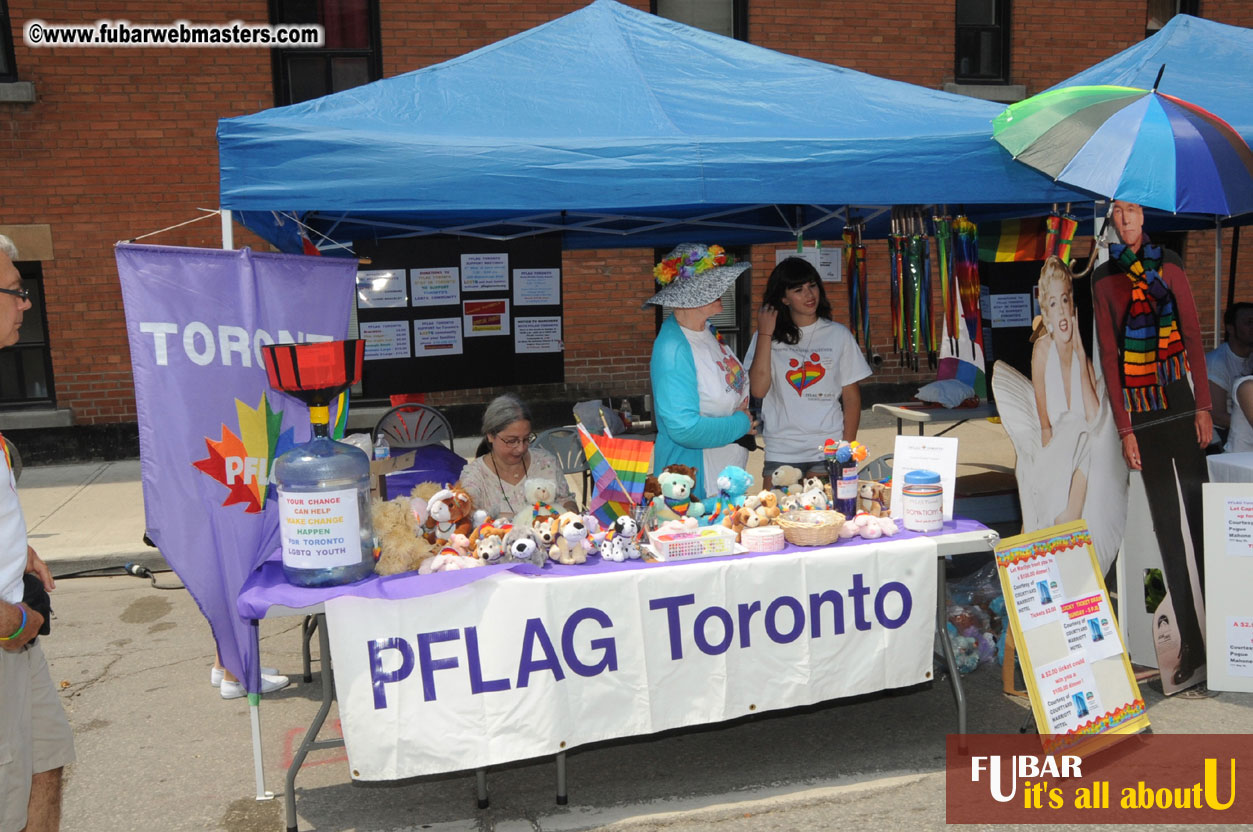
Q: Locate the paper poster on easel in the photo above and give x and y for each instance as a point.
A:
(1082, 689)
(1228, 511)
(924, 453)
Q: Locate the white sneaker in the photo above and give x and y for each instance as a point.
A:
(269, 684)
(215, 675)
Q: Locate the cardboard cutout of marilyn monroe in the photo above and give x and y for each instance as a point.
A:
(1153, 360)
(1069, 457)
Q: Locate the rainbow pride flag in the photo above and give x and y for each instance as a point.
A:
(618, 468)
(1011, 241)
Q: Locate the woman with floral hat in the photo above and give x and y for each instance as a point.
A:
(700, 389)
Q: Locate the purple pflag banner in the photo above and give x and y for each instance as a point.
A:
(210, 426)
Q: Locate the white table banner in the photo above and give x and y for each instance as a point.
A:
(513, 667)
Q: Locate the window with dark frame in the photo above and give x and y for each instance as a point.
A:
(350, 56)
(722, 17)
(1159, 13)
(26, 367)
(983, 34)
(8, 61)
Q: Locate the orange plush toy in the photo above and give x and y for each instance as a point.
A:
(448, 513)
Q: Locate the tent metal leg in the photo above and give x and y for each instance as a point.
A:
(311, 740)
(562, 797)
(480, 778)
(941, 632)
(306, 635)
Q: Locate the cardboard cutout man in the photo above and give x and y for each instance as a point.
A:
(1150, 344)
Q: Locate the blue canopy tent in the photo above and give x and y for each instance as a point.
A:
(616, 128)
(1208, 64)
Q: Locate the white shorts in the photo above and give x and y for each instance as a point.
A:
(34, 733)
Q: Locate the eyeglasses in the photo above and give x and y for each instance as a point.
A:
(24, 294)
(514, 441)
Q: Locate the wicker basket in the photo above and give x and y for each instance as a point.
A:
(810, 528)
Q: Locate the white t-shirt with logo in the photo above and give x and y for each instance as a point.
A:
(12, 537)
(802, 408)
(723, 385)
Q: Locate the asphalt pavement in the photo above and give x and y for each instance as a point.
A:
(159, 749)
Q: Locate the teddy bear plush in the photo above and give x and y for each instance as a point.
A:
(676, 490)
(814, 499)
(401, 546)
(541, 494)
(522, 546)
(873, 498)
(733, 485)
(787, 480)
(767, 506)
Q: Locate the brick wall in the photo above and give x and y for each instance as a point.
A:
(121, 142)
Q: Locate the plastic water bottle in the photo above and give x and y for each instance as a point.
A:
(324, 511)
(625, 410)
(382, 450)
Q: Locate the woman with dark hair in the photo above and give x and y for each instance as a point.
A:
(496, 478)
(806, 368)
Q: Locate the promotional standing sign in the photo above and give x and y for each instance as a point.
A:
(210, 427)
(1079, 679)
(1229, 576)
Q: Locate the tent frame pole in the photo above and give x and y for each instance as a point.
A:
(1218, 279)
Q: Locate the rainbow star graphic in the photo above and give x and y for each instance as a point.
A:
(242, 463)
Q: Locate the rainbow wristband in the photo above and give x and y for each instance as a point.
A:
(20, 628)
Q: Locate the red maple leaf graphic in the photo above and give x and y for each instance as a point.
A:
(214, 465)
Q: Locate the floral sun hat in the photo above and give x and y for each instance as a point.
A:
(693, 275)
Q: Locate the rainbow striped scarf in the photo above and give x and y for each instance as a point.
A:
(1153, 353)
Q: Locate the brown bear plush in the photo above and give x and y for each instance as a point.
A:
(401, 547)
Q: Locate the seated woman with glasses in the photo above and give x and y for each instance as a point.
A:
(505, 460)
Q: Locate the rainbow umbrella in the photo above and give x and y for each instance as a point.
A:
(1133, 144)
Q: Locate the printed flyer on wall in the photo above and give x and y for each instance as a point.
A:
(485, 317)
(382, 289)
(537, 334)
(485, 272)
(435, 287)
(437, 336)
(384, 339)
(536, 287)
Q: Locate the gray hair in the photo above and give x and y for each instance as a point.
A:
(502, 412)
(9, 249)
